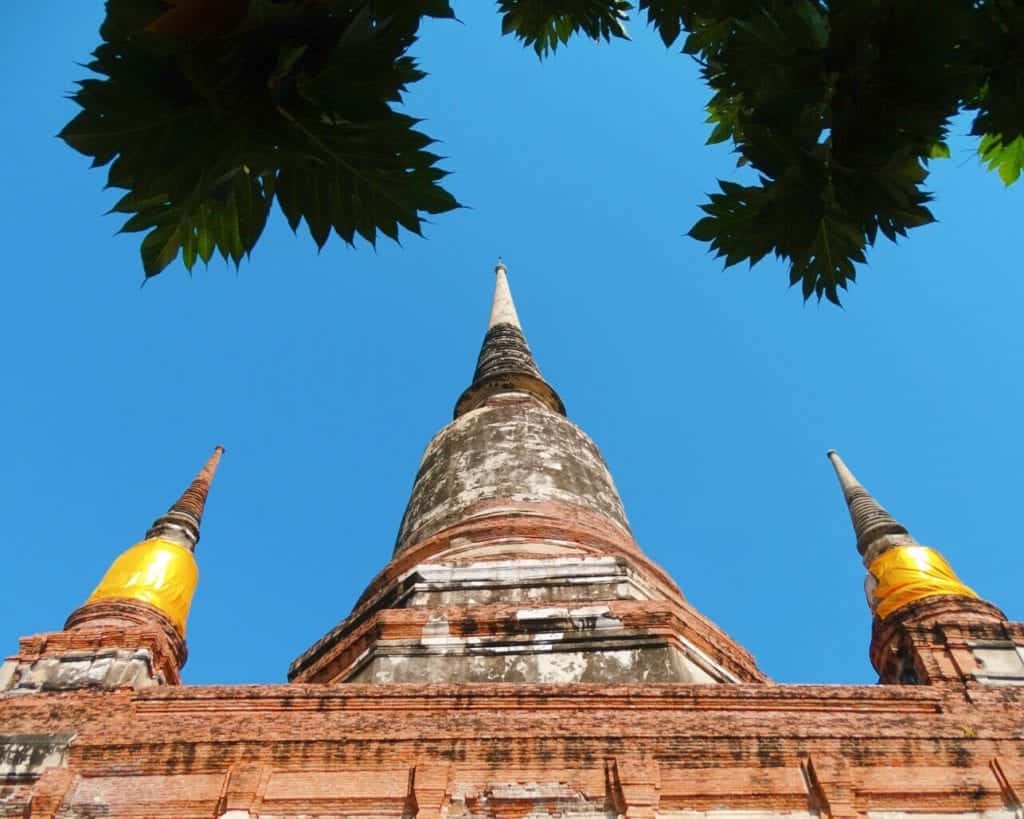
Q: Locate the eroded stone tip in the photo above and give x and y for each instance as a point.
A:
(500, 267)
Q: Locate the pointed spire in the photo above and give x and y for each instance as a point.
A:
(503, 309)
(505, 363)
(504, 349)
(870, 519)
(180, 524)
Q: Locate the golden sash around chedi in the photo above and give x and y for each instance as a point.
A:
(155, 571)
(905, 574)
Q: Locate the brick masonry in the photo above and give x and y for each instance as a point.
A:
(518, 658)
(516, 750)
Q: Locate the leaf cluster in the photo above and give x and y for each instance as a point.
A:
(837, 106)
(207, 111)
(545, 24)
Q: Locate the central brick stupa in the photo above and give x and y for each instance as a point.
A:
(514, 560)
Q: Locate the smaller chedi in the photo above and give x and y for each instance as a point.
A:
(519, 656)
(131, 629)
(928, 625)
(900, 570)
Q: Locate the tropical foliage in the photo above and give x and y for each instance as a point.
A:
(206, 110)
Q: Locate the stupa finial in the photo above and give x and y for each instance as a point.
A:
(870, 519)
(180, 524)
(503, 309)
(505, 363)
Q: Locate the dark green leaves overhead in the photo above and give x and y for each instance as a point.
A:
(207, 110)
(545, 24)
(814, 101)
(837, 108)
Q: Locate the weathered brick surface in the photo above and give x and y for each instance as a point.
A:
(116, 653)
(935, 634)
(499, 750)
(525, 530)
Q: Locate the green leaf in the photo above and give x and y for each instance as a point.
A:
(159, 248)
(705, 230)
(188, 251)
(1006, 159)
(205, 243)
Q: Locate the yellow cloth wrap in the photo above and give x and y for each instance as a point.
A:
(908, 573)
(154, 571)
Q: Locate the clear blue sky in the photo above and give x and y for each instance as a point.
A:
(712, 395)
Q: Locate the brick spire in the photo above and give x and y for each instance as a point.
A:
(180, 524)
(131, 629)
(514, 561)
(505, 363)
(870, 519)
(920, 607)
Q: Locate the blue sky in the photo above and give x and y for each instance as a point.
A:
(712, 395)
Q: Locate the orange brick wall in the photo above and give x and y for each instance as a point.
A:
(512, 750)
